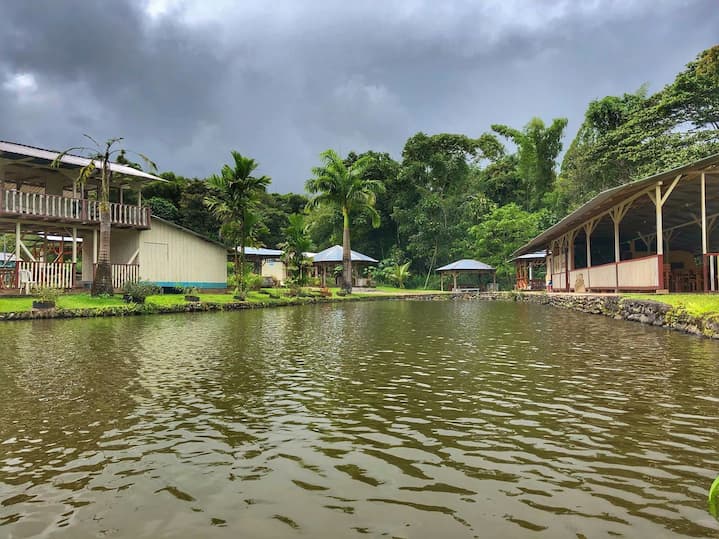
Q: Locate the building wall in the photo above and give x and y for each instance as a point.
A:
(123, 245)
(170, 256)
(275, 269)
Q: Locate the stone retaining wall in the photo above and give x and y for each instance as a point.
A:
(618, 307)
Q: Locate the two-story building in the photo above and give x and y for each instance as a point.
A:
(50, 225)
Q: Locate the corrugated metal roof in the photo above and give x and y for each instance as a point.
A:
(13, 151)
(532, 256)
(466, 264)
(606, 200)
(334, 254)
(261, 251)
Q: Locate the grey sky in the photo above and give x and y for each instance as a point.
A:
(186, 81)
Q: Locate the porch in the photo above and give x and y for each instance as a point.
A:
(656, 234)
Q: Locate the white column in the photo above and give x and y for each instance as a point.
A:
(17, 243)
(74, 245)
(94, 246)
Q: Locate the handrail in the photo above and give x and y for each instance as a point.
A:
(70, 209)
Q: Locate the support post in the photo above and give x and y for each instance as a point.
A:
(704, 230)
(18, 243)
(74, 247)
(658, 203)
(94, 246)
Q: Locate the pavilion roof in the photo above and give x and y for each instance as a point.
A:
(466, 264)
(334, 254)
(606, 200)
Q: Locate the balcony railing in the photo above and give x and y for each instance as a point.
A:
(70, 209)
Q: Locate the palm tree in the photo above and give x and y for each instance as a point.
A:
(344, 187)
(101, 156)
(297, 242)
(232, 199)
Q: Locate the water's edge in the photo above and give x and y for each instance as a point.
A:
(133, 309)
(634, 310)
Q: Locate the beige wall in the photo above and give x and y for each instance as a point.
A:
(275, 269)
(123, 245)
(169, 255)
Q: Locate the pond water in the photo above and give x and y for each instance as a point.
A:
(383, 419)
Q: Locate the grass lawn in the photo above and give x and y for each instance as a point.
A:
(695, 304)
(85, 301)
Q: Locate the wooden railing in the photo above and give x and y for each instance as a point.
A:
(45, 274)
(123, 273)
(711, 272)
(8, 277)
(70, 209)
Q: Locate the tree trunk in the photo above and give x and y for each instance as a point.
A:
(346, 253)
(102, 282)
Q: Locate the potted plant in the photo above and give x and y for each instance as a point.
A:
(46, 298)
(191, 294)
(136, 292)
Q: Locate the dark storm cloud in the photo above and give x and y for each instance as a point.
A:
(283, 83)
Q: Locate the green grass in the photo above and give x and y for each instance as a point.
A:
(695, 304)
(85, 301)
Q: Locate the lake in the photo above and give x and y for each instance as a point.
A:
(414, 419)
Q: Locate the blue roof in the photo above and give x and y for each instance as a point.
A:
(466, 265)
(334, 254)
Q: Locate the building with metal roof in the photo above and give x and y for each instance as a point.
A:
(464, 267)
(332, 256)
(658, 233)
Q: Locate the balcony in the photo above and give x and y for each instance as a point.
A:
(42, 207)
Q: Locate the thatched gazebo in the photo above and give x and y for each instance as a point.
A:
(465, 266)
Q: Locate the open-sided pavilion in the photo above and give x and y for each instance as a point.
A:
(655, 234)
(465, 266)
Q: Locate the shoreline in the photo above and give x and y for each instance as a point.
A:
(140, 309)
(648, 312)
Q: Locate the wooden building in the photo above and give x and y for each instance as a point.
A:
(54, 225)
(656, 234)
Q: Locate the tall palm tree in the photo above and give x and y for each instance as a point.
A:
(343, 186)
(101, 156)
(232, 199)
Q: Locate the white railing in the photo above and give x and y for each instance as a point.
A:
(46, 274)
(72, 209)
(123, 273)
(41, 205)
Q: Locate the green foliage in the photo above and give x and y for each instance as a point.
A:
(344, 187)
(713, 500)
(46, 294)
(399, 273)
(297, 242)
(503, 231)
(163, 208)
(233, 200)
(137, 292)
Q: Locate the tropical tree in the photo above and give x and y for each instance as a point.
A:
(346, 188)
(297, 242)
(101, 156)
(233, 200)
(399, 273)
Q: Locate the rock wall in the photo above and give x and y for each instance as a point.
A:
(618, 307)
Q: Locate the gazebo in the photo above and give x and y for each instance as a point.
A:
(465, 266)
(525, 266)
(333, 255)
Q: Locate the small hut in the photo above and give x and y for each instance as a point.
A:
(527, 267)
(332, 256)
(466, 266)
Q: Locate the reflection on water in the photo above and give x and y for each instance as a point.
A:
(397, 419)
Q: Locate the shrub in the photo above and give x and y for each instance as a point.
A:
(253, 281)
(136, 292)
(47, 294)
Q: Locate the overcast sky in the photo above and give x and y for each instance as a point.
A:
(186, 81)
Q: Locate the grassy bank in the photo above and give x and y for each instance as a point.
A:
(163, 302)
(693, 304)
